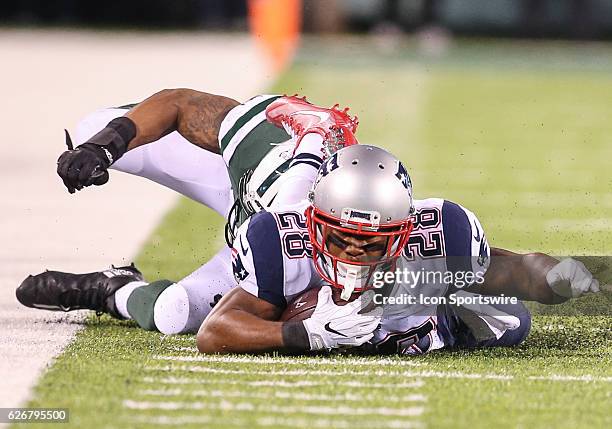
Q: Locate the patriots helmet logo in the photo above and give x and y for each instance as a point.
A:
(403, 176)
(238, 267)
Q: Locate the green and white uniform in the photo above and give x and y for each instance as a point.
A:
(252, 148)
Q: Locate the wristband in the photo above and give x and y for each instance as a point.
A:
(114, 138)
(295, 337)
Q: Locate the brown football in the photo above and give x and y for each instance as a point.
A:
(303, 305)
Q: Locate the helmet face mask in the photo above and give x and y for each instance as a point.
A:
(379, 252)
(360, 216)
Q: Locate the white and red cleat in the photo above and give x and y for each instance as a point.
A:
(299, 117)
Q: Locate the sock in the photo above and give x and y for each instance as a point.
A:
(122, 295)
(141, 303)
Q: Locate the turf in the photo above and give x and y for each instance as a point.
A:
(523, 144)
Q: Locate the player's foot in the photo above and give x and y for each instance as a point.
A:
(57, 291)
(299, 117)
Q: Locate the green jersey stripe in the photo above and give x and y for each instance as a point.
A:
(258, 108)
(241, 134)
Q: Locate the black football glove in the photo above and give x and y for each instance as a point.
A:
(88, 164)
(84, 166)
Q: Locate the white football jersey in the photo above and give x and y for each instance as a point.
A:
(447, 251)
(272, 259)
(272, 255)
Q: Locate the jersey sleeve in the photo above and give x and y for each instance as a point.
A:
(465, 245)
(257, 259)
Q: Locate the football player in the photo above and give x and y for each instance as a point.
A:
(361, 221)
(244, 138)
(223, 154)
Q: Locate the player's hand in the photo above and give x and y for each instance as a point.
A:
(334, 326)
(84, 166)
(571, 279)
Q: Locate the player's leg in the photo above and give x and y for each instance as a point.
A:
(163, 305)
(171, 161)
(495, 325)
(181, 307)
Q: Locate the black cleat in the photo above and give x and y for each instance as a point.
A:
(57, 291)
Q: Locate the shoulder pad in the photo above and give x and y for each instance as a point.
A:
(257, 258)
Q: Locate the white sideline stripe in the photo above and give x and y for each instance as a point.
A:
(341, 373)
(280, 394)
(571, 378)
(272, 383)
(273, 409)
(256, 360)
(319, 423)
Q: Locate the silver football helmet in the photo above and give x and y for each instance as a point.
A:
(361, 191)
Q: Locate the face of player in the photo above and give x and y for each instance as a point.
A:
(355, 247)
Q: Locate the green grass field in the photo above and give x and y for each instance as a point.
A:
(520, 138)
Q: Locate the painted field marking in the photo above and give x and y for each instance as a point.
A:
(586, 378)
(257, 360)
(341, 373)
(281, 394)
(380, 373)
(281, 383)
(274, 409)
(318, 423)
(324, 423)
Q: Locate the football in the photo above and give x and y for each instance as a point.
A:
(302, 306)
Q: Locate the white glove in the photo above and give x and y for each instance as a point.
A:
(571, 279)
(333, 326)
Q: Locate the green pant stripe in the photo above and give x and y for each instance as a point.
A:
(141, 303)
(258, 108)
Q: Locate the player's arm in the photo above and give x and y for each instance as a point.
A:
(535, 277)
(196, 115)
(244, 323)
(241, 323)
(522, 276)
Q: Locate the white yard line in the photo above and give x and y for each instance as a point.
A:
(585, 378)
(342, 373)
(256, 360)
(224, 405)
(281, 383)
(48, 74)
(282, 394)
(319, 423)
(378, 373)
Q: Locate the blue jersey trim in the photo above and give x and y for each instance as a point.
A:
(457, 238)
(264, 240)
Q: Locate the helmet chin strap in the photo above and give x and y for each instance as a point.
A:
(352, 277)
(350, 280)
